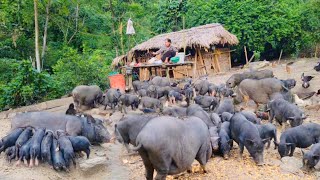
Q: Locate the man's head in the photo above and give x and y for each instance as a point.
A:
(167, 42)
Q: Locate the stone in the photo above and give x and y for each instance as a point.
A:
(292, 165)
(317, 174)
(92, 164)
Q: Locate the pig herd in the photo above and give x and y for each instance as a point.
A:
(35, 145)
(195, 120)
(56, 139)
(181, 121)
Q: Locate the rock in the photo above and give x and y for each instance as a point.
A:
(317, 167)
(93, 164)
(100, 153)
(317, 174)
(292, 165)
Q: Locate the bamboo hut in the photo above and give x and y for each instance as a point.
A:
(208, 46)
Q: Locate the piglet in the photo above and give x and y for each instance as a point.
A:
(35, 147)
(24, 153)
(10, 153)
(58, 162)
(214, 138)
(80, 143)
(22, 139)
(268, 131)
(10, 139)
(312, 157)
(46, 147)
(64, 144)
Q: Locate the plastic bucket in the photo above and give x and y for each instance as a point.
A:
(118, 82)
(181, 57)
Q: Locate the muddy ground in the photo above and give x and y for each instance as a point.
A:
(121, 166)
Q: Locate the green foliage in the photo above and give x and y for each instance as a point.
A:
(169, 16)
(27, 86)
(255, 23)
(87, 68)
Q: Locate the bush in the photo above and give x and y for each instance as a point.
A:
(75, 69)
(8, 69)
(27, 87)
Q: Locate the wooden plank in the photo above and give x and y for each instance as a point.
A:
(217, 62)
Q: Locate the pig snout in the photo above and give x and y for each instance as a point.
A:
(225, 156)
(258, 159)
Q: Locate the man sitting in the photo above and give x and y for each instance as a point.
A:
(166, 51)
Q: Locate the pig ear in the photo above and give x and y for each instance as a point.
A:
(316, 157)
(289, 144)
(230, 141)
(290, 118)
(265, 140)
(214, 139)
(304, 116)
(250, 141)
(90, 119)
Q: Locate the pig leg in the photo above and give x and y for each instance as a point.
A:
(190, 170)
(128, 148)
(246, 100)
(147, 164)
(18, 162)
(204, 168)
(283, 127)
(241, 148)
(87, 152)
(25, 161)
(292, 148)
(271, 116)
(36, 161)
(268, 146)
(31, 162)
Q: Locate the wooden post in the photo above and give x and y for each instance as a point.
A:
(245, 53)
(203, 67)
(195, 65)
(217, 62)
(280, 56)
(229, 60)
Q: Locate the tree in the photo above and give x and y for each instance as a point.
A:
(45, 32)
(36, 35)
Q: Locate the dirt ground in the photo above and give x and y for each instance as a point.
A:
(121, 166)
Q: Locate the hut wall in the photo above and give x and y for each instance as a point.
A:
(208, 61)
(224, 58)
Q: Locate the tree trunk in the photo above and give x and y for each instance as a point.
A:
(113, 27)
(36, 30)
(77, 18)
(44, 45)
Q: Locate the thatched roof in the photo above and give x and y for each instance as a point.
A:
(203, 36)
(116, 60)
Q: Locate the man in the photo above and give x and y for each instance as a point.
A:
(167, 51)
